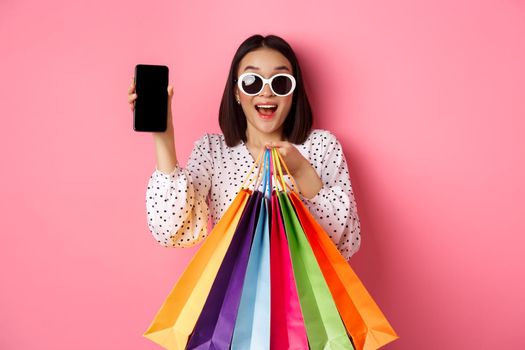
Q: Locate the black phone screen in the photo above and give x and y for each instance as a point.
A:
(151, 106)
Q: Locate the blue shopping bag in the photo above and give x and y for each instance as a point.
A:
(252, 327)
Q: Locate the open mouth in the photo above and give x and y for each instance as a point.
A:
(266, 109)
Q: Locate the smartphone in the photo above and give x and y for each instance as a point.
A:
(151, 106)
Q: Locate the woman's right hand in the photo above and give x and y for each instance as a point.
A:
(132, 96)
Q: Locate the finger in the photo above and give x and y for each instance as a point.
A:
(277, 144)
(132, 97)
(170, 96)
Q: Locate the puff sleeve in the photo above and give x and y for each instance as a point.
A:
(334, 206)
(177, 203)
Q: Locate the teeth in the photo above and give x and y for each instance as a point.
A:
(266, 106)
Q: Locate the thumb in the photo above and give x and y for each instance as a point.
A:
(170, 95)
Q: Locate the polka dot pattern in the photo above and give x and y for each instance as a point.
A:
(179, 204)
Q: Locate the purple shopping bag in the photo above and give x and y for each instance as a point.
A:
(214, 328)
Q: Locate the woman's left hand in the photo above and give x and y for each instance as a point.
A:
(301, 170)
(291, 156)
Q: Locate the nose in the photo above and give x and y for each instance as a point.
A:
(266, 91)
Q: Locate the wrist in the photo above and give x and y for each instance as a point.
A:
(167, 137)
(309, 183)
(303, 169)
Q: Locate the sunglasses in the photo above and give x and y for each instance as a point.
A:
(252, 84)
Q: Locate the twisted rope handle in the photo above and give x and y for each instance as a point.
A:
(250, 181)
(272, 163)
(278, 161)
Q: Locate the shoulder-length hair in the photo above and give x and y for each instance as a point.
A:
(232, 121)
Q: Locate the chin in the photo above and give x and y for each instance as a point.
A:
(267, 123)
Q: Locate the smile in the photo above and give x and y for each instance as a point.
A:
(266, 111)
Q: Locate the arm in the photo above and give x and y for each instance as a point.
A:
(177, 211)
(334, 206)
(176, 202)
(308, 181)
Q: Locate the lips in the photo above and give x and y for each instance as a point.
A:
(266, 108)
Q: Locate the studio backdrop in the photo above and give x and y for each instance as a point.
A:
(426, 98)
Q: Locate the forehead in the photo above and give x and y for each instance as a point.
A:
(264, 60)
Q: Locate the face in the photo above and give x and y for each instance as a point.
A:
(261, 123)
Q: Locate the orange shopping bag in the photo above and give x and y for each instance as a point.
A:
(176, 319)
(363, 319)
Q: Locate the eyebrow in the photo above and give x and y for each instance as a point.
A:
(276, 68)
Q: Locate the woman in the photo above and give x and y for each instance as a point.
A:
(264, 103)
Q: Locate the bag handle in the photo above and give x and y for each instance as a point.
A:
(267, 190)
(266, 178)
(280, 184)
(256, 163)
(272, 164)
(278, 159)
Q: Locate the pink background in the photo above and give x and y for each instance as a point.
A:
(427, 98)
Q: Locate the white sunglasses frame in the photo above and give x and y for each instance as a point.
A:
(266, 81)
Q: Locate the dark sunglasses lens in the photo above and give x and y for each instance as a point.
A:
(282, 85)
(251, 84)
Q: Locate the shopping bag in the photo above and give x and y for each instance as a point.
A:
(324, 327)
(287, 323)
(252, 326)
(363, 319)
(176, 318)
(214, 327)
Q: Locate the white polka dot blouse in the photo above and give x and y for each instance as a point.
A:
(180, 203)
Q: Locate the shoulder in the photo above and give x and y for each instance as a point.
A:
(321, 148)
(321, 140)
(214, 145)
(211, 141)
(321, 135)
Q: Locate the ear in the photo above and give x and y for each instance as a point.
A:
(236, 93)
